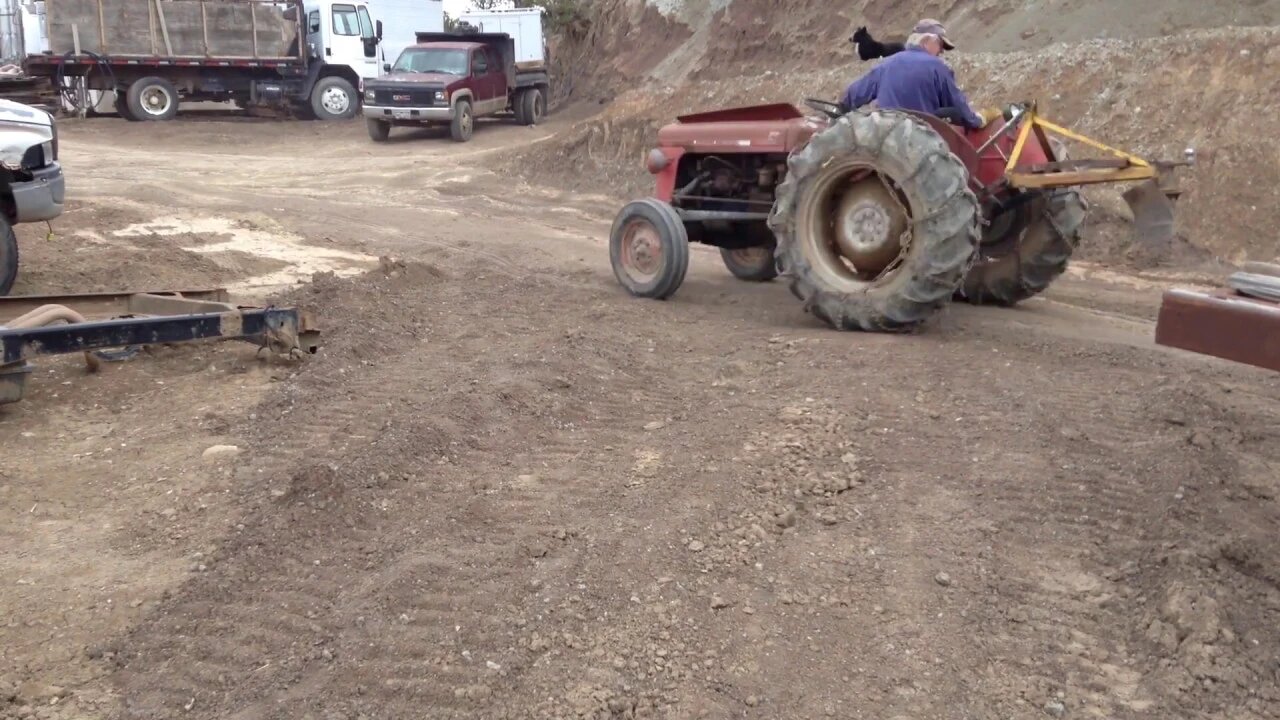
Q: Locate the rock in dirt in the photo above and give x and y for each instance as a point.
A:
(219, 453)
(655, 425)
(1055, 708)
(942, 579)
(719, 603)
(696, 546)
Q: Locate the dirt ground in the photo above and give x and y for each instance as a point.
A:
(503, 489)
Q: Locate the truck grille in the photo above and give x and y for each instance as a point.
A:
(405, 98)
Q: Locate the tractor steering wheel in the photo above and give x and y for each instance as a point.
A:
(835, 111)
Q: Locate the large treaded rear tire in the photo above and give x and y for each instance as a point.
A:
(1029, 263)
(945, 220)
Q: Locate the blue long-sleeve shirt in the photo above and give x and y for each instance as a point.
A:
(912, 80)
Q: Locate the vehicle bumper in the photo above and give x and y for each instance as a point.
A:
(41, 197)
(434, 114)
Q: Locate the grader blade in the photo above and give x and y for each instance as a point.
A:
(1152, 208)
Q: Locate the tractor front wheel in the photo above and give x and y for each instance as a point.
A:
(753, 264)
(1019, 262)
(649, 249)
(876, 225)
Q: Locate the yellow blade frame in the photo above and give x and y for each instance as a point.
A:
(1133, 169)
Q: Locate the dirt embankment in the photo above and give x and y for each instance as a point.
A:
(1202, 88)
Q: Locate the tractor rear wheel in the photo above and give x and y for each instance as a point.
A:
(1020, 262)
(875, 222)
(753, 264)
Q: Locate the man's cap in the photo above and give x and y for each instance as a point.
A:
(933, 27)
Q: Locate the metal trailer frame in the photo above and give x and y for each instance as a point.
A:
(139, 319)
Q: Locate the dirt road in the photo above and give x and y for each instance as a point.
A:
(505, 490)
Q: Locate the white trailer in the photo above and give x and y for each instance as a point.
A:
(524, 25)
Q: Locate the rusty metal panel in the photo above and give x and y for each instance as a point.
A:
(1222, 324)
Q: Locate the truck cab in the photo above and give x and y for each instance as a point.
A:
(343, 41)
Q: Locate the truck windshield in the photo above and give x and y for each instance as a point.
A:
(432, 60)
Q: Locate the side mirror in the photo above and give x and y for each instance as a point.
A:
(377, 29)
(386, 67)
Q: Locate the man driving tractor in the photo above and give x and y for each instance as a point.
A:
(916, 79)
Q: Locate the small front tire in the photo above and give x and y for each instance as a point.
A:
(649, 249)
(463, 125)
(379, 130)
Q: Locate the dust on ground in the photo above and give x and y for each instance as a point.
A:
(505, 489)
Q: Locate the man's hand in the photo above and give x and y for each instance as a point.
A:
(989, 115)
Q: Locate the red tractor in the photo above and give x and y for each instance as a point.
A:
(877, 218)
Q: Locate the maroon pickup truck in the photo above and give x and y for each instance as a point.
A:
(452, 79)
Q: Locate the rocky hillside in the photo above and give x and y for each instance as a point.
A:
(1155, 76)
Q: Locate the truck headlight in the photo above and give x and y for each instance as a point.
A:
(441, 96)
(50, 152)
(369, 95)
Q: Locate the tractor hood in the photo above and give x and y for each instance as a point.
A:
(763, 128)
(21, 128)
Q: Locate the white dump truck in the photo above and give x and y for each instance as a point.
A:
(310, 56)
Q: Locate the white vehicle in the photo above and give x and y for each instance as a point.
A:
(310, 55)
(31, 183)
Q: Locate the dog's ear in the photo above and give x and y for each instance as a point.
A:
(859, 35)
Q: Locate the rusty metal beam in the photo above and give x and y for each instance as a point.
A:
(1222, 324)
(99, 304)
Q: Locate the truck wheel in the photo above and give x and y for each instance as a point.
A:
(533, 105)
(152, 98)
(1020, 262)
(517, 107)
(379, 130)
(463, 124)
(333, 99)
(8, 256)
(875, 222)
(649, 249)
(122, 106)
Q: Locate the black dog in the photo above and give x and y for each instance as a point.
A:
(869, 48)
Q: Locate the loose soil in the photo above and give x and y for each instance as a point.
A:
(504, 489)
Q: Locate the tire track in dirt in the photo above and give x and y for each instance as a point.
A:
(360, 605)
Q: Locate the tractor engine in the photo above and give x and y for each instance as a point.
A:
(709, 185)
